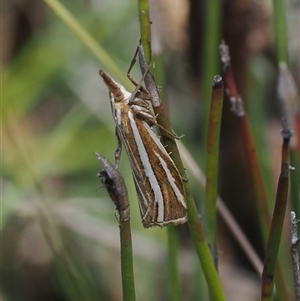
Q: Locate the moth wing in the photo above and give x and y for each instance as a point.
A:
(147, 205)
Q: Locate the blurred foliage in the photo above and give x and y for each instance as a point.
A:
(59, 235)
(54, 116)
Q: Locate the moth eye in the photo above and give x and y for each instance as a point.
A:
(118, 96)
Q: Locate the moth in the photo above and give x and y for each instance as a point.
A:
(157, 180)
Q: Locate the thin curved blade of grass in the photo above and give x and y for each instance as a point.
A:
(87, 40)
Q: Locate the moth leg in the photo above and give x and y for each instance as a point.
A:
(117, 217)
(118, 151)
(148, 117)
(169, 133)
(186, 180)
(133, 61)
(139, 86)
(136, 84)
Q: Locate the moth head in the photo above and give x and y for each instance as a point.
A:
(113, 87)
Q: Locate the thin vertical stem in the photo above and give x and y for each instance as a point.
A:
(277, 221)
(173, 236)
(210, 62)
(295, 254)
(115, 185)
(280, 31)
(212, 168)
(248, 140)
(145, 28)
(175, 291)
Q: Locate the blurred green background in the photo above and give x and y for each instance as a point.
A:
(59, 235)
